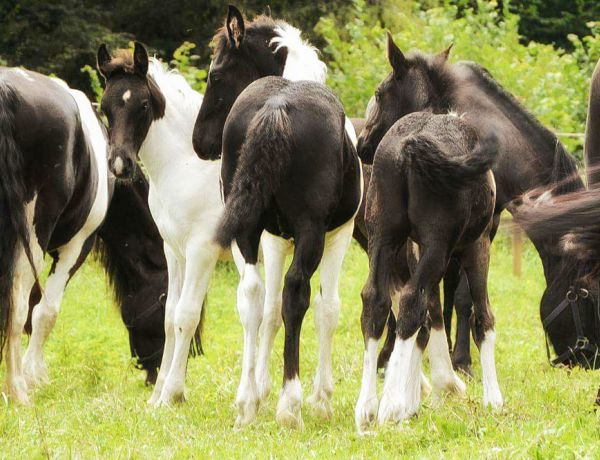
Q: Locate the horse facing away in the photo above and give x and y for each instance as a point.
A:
(529, 156)
(151, 113)
(244, 52)
(431, 181)
(289, 168)
(53, 196)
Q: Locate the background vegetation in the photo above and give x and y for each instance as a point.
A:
(543, 51)
(95, 406)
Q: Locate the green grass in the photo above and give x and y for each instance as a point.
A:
(96, 403)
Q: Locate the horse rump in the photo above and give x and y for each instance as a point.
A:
(263, 160)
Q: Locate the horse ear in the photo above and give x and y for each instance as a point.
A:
(140, 59)
(267, 12)
(444, 54)
(102, 59)
(235, 26)
(397, 60)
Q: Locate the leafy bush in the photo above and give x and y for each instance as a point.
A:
(553, 84)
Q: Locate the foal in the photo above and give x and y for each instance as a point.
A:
(430, 183)
(151, 112)
(246, 51)
(289, 168)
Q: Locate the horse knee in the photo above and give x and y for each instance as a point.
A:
(251, 295)
(412, 315)
(376, 309)
(296, 297)
(327, 311)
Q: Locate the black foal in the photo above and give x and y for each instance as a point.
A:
(289, 167)
(430, 183)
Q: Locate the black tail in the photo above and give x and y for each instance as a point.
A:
(263, 161)
(13, 222)
(442, 172)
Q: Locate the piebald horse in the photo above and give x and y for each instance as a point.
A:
(54, 193)
(245, 52)
(151, 113)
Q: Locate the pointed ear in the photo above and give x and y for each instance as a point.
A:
(267, 11)
(446, 53)
(235, 26)
(140, 59)
(102, 59)
(397, 60)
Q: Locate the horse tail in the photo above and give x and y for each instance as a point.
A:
(443, 172)
(263, 161)
(13, 221)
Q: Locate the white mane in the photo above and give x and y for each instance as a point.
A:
(302, 61)
(177, 91)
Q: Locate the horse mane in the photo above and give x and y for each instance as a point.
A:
(302, 62)
(563, 165)
(441, 76)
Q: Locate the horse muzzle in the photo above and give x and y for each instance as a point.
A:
(121, 164)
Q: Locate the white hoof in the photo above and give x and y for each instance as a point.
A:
(247, 403)
(17, 392)
(365, 414)
(36, 374)
(289, 406)
(320, 404)
(493, 399)
(170, 396)
(392, 411)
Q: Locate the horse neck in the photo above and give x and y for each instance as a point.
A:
(592, 131)
(168, 143)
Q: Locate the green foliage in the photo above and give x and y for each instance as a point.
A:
(94, 81)
(552, 83)
(186, 64)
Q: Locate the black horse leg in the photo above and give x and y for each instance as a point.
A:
(308, 251)
(451, 280)
(461, 356)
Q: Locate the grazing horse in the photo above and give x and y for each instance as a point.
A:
(151, 114)
(53, 197)
(529, 156)
(244, 52)
(431, 181)
(289, 168)
(131, 252)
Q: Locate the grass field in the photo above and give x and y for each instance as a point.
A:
(96, 403)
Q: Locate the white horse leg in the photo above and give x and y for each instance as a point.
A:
(491, 390)
(274, 252)
(175, 268)
(402, 387)
(200, 262)
(443, 377)
(327, 310)
(250, 301)
(46, 311)
(367, 404)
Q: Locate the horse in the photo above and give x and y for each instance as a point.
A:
(294, 173)
(529, 156)
(431, 181)
(244, 52)
(130, 249)
(151, 113)
(592, 131)
(53, 197)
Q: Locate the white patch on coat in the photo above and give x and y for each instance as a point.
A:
(118, 165)
(126, 95)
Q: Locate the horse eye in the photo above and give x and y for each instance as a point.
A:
(214, 77)
(377, 96)
(145, 105)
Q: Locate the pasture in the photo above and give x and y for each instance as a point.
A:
(96, 403)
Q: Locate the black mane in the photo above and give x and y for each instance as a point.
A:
(563, 166)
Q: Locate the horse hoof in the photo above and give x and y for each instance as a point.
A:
(365, 415)
(321, 407)
(290, 420)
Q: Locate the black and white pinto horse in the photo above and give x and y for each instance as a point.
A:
(431, 181)
(53, 197)
(298, 178)
(151, 114)
(529, 156)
